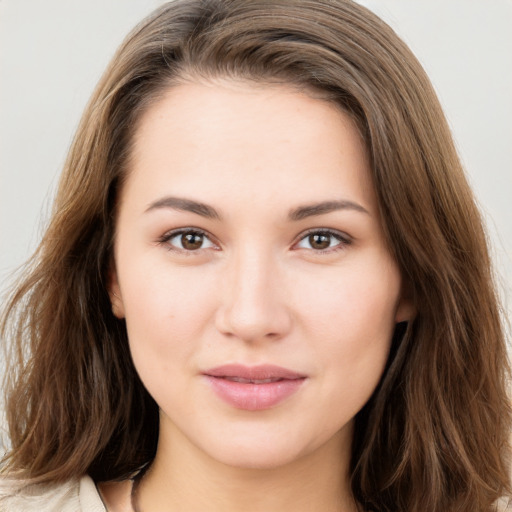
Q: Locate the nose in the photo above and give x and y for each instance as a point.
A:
(253, 305)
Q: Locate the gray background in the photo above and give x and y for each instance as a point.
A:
(52, 53)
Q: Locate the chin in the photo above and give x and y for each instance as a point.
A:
(252, 459)
(263, 450)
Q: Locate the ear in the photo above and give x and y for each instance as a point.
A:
(114, 293)
(406, 308)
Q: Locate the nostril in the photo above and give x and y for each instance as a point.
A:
(256, 327)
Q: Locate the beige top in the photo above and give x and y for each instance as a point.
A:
(80, 495)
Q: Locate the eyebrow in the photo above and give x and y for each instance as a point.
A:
(185, 205)
(296, 214)
(324, 207)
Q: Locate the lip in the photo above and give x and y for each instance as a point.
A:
(253, 388)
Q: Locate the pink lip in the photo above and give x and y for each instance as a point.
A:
(256, 387)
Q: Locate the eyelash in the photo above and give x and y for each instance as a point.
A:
(343, 239)
(165, 240)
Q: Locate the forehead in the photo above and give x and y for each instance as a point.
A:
(214, 138)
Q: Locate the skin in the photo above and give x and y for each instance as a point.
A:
(258, 290)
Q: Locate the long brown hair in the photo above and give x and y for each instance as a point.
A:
(434, 435)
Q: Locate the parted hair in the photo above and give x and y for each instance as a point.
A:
(434, 435)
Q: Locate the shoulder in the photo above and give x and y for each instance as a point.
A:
(504, 505)
(77, 495)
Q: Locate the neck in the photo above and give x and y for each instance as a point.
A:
(183, 477)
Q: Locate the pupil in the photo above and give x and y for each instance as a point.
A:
(191, 241)
(319, 241)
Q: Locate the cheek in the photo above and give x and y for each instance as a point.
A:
(166, 309)
(352, 323)
(360, 298)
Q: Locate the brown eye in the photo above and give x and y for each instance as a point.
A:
(192, 241)
(319, 241)
(323, 240)
(187, 240)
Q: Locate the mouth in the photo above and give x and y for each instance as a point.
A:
(253, 388)
(252, 381)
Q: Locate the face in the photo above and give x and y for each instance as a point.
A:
(251, 268)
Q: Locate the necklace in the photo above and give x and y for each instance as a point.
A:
(135, 487)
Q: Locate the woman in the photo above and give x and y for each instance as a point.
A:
(265, 284)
